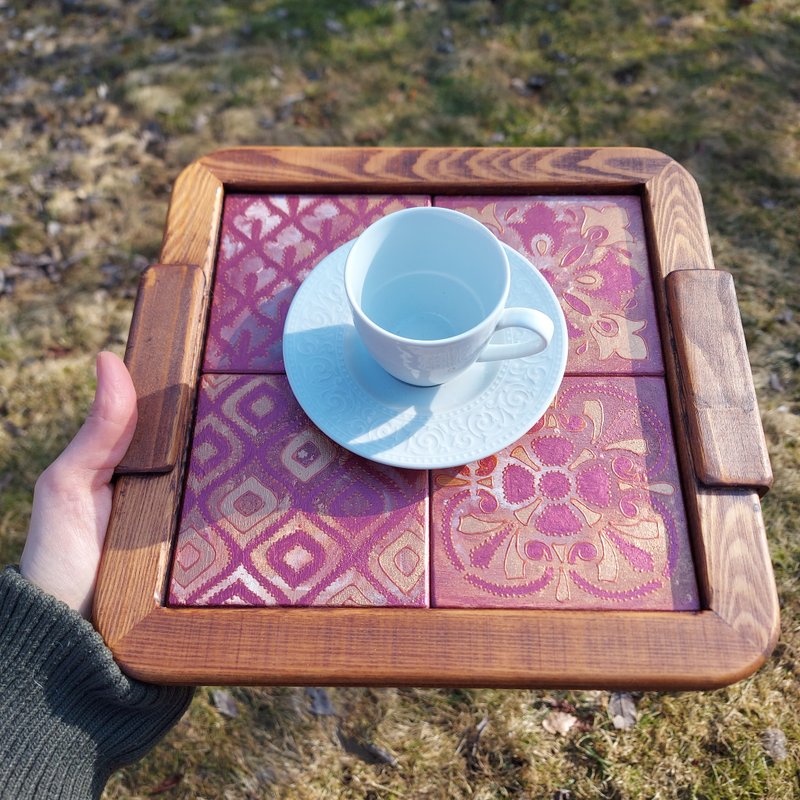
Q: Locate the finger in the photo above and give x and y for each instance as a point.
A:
(106, 434)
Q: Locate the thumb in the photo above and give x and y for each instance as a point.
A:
(106, 434)
(72, 498)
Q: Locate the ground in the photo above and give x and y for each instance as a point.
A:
(104, 102)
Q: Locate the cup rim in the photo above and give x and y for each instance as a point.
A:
(444, 212)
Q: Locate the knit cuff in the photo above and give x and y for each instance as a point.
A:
(68, 715)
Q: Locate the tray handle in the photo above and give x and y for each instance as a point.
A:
(160, 356)
(719, 399)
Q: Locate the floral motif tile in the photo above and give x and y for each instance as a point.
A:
(268, 244)
(585, 511)
(275, 513)
(593, 252)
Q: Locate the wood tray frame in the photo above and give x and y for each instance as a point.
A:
(727, 640)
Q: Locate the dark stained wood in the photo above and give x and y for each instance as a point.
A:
(741, 582)
(728, 540)
(439, 647)
(135, 566)
(444, 170)
(673, 211)
(159, 356)
(726, 436)
(725, 642)
(132, 580)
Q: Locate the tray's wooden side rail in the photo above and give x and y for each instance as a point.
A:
(673, 210)
(441, 170)
(130, 585)
(133, 575)
(193, 220)
(438, 647)
(742, 585)
(728, 537)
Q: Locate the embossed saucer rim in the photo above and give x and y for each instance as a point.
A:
(362, 408)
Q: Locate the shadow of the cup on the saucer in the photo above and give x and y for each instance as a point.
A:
(348, 395)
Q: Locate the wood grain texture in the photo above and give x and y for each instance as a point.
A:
(442, 170)
(726, 436)
(193, 220)
(674, 214)
(134, 570)
(132, 580)
(159, 357)
(613, 649)
(724, 525)
(439, 647)
(678, 239)
(742, 584)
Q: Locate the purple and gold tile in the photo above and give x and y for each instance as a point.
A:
(275, 513)
(585, 511)
(268, 244)
(593, 252)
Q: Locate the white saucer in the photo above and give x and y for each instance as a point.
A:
(363, 408)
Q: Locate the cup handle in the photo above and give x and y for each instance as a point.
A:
(528, 318)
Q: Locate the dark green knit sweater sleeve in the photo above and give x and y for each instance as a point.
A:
(68, 715)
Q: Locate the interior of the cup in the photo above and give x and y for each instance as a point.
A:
(427, 273)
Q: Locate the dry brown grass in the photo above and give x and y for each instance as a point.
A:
(103, 104)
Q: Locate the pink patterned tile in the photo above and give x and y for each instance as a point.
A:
(584, 511)
(275, 513)
(593, 252)
(268, 244)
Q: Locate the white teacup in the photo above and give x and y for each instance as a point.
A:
(428, 288)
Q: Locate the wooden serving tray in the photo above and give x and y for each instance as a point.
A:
(619, 544)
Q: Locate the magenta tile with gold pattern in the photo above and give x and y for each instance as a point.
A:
(584, 511)
(274, 513)
(268, 244)
(592, 251)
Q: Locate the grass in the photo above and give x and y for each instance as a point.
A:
(104, 103)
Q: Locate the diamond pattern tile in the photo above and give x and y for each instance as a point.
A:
(274, 513)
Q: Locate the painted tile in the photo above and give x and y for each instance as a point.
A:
(593, 252)
(275, 513)
(268, 244)
(584, 511)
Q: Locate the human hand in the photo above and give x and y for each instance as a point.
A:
(72, 498)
